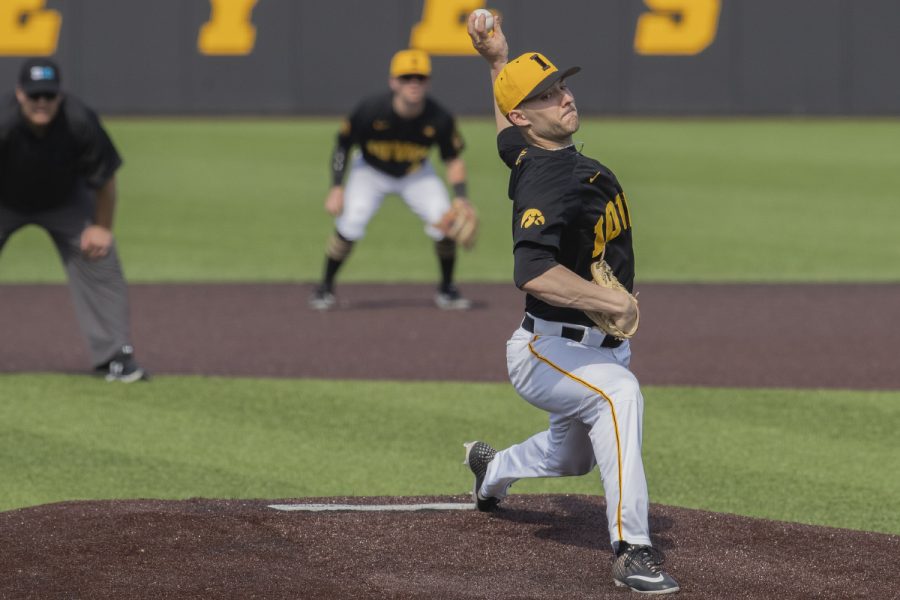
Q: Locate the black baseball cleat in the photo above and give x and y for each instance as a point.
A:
(639, 568)
(478, 455)
(322, 299)
(123, 367)
(449, 298)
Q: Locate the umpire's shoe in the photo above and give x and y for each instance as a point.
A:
(638, 567)
(478, 455)
(123, 367)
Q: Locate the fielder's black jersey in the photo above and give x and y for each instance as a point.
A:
(395, 145)
(38, 172)
(568, 209)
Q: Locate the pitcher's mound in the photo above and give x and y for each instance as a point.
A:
(537, 547)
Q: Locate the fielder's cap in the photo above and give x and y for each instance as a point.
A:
(526, 77)
(411, 62)
(39, 75)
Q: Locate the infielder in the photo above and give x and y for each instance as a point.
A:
(568, 210)
(395, 132)
(57, 171)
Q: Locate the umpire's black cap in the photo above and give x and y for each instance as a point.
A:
(39, 75)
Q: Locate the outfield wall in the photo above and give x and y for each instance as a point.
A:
(683, 57)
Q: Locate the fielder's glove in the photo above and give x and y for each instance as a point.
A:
(604, 277)
(460, 224)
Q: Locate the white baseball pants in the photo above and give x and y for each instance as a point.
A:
(596, 417)
(422, 190)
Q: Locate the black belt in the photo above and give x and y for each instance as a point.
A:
(573, 333)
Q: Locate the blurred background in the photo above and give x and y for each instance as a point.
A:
(288, 57)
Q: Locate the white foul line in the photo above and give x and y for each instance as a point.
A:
(372, 507)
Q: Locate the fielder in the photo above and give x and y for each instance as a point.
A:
(569, 215)
(395, 132)
(57, 171)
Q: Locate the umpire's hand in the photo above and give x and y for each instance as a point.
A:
(96, 241)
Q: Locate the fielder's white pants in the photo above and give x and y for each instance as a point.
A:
(422, 190)
(596, 417)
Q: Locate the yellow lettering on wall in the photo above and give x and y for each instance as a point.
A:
(230, 30)
(442, 29)
(27, 28)
(680, 27)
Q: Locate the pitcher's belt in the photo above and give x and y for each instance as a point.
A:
(576, 334)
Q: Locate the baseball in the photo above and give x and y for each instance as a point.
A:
(488, 19)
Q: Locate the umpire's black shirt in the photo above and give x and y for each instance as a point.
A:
(41, 172)
(568, 209)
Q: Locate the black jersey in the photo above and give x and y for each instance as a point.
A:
(41, 172)
(568, 209)
(395, 145)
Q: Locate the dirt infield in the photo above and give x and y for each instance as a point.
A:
(709, 335)
(540, 547)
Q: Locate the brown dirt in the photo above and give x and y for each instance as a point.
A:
(707, 335)
(538, 547)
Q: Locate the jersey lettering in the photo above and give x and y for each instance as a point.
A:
(397, 151)
(677, 27)
(230, 30)
(613, 224)
(615, 219)
(442, 29)
(27, 28)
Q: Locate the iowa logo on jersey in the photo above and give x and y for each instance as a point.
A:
(531, 217)
(380, 125)
(428, 131)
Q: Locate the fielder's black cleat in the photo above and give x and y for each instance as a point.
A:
(639, 568)
(449, 298)
(478, 455)
(322, 299)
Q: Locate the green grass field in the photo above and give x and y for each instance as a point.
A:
(720, 200)
(738, 451)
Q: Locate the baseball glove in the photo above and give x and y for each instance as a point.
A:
(460, 224)
(604, 277)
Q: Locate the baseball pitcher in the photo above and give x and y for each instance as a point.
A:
(569, 357)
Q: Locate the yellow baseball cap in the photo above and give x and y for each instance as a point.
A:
(526, 77)
(411, 62)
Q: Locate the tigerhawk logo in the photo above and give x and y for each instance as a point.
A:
(531, 217)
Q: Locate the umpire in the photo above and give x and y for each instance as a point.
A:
(57, 171)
